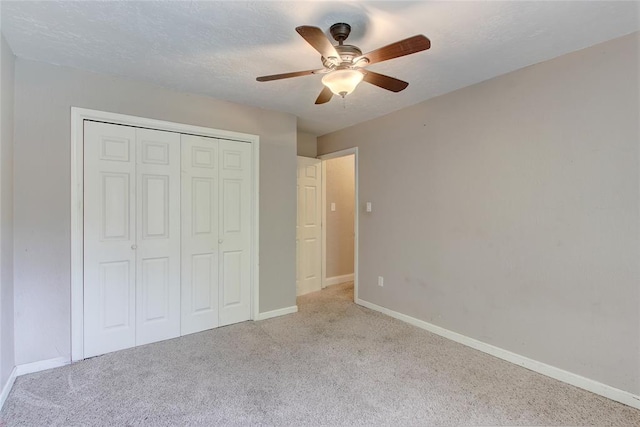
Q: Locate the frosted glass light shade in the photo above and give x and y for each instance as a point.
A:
(342, 82)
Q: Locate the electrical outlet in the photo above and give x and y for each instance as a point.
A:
(380, 281)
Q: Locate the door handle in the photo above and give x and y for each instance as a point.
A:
(220, 241)
(134, 247)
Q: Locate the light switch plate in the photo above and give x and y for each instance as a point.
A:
(333, 207)
(368, 206)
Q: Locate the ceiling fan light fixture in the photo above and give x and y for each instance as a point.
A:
(344, 64)
(342, 82)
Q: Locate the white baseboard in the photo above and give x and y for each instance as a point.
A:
(41, 365)
(29, 368)
(336, 280)
(533, 365)
(6, 389)
(278, 312)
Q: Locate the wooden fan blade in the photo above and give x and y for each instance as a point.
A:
(396, 50)
(385, 82)
(316, 38)
(325, 96)
(286, 75)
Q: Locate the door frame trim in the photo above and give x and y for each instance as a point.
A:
(78, 116)
(356, 219)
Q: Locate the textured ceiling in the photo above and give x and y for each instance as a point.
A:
(219, 48)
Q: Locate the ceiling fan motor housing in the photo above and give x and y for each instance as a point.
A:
(347, 53)
(340, 31)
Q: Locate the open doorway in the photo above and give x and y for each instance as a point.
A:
(327, 222)
(340, 219)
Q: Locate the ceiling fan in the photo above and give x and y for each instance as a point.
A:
(344, 65)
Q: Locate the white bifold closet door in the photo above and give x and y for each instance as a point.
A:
(235, 231)
(167, 235)
(109, 238)
(199, 234)
(158, 236)
(132, 237)
(216, 239)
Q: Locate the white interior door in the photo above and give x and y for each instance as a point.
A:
(109, 244)
(158, 236)
(199, 234)
(309, 227)
(234, 235)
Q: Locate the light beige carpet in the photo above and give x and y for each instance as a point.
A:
(333, 363)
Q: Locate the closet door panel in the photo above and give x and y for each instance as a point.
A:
(235, 234)
(199, 234)
(158, 236)
(109, 238)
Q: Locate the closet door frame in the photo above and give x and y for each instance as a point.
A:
(78, 116)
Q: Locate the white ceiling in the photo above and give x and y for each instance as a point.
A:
(219, 48)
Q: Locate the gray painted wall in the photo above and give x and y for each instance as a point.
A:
(508, 211)
(340, 182)
(44, 95)
(307, 145)
(6, 211)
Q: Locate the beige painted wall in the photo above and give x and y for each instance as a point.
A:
(508, 211)
(307, 144)
(340, 189)
(6, 211)
(44, 96)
